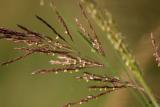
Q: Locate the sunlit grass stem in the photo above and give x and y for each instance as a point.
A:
(105, 22)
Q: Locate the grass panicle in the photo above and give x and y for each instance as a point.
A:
(66, 57)
(105, 85)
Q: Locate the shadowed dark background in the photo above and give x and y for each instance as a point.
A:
(18, 88)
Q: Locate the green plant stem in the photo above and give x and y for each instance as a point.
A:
(105, 22)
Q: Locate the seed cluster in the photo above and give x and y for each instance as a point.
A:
(66, 57)
(105, 85)
(70, 64)
(59, 46)
(91, 38)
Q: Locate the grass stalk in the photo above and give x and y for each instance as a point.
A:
(105, 22)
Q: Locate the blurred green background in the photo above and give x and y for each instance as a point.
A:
(18, 88)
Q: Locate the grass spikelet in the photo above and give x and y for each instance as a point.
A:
(49, 26)
(95, 41)
(111, 85)
(156, 49)
(61, 20)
